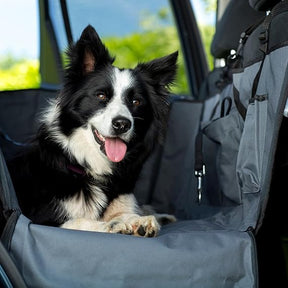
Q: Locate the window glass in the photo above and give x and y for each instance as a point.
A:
(58, 24)
(132, 30)
(205, 13)
(19, 47)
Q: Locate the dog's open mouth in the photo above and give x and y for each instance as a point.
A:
(114, 147)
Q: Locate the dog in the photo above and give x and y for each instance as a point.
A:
(92, 141)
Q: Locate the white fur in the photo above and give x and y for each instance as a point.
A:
(102, 120)
(121, 216)
(124, 224)
(123, 204)
(51, 118)
(80, 144)
(79, 207)
(83, 147)
(51, 113)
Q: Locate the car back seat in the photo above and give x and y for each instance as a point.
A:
(212, 229)
(19, 111)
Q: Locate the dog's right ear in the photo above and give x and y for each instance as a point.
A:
(88, 53)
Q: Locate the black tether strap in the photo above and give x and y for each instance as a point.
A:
(240, 107)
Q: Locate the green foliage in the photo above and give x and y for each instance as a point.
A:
(18, 73)
(210, 5)
(142, 47)
(207, 32)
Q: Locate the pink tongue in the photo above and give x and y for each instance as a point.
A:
(115, 149)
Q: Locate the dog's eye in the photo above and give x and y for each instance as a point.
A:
(136, 102)
(101, 96)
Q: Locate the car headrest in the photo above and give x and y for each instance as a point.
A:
(263, 5)
(238, 16)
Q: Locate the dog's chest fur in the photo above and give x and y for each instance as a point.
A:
(89, 204)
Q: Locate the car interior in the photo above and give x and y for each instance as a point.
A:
(221, 170)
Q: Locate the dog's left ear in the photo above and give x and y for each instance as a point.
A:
(88, 52)
(159, 73)
(161, 70)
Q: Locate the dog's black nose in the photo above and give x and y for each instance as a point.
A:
(121, 125)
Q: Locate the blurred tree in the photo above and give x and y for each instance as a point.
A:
(18, 73)
(207, 32)
(210, 5)
(153, 44)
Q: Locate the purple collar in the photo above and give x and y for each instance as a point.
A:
(76, 169)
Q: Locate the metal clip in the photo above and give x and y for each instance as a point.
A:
(285, 113)
(199, 174)
(243, 38)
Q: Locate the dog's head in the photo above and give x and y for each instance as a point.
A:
(107, 109)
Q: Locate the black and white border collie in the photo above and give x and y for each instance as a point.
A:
(92, 142)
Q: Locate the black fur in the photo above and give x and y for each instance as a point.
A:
(43, 177)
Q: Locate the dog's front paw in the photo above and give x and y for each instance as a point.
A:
(146, 226)
(118, 226)
(131, 224)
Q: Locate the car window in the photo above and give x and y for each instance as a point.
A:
(19, 47)
(205, 13)
(132, 30)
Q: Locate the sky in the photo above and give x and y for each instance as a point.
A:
(17, 31)
(19, 27)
